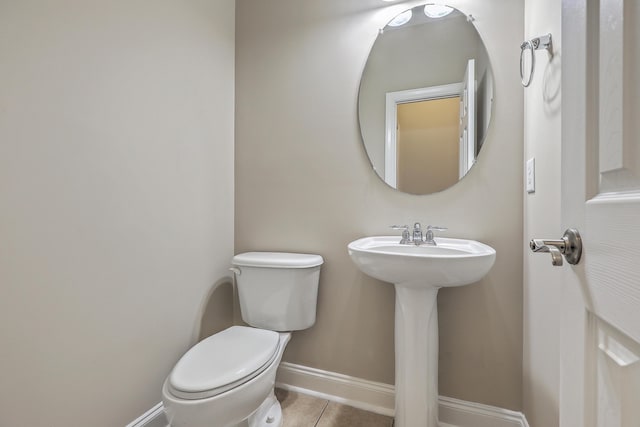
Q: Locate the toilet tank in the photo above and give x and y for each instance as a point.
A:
(278, 291)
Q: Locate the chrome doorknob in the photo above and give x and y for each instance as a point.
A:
(570, 246)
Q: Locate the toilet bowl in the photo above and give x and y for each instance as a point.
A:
(236, 384)
(227, 380)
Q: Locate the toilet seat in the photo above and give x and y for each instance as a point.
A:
(222, 362)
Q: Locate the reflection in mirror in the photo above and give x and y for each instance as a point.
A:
(425, 99)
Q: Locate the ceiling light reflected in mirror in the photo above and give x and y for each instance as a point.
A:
(401, 19)
(437, 11)
(433, 11)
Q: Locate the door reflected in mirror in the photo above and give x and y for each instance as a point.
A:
(426, 146)
(425, 101)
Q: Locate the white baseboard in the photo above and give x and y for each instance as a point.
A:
(154, 417)
(367, 395)
(461, 413)
(379, 398)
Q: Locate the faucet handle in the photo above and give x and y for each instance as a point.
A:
(429, 239)
(406, 237)
(399, 227)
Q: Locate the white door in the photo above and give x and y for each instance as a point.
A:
(600, 331)
(468, 120)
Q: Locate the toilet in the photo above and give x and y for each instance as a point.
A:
(227, 379)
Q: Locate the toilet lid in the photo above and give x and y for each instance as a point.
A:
(277, 260)
(223, 361)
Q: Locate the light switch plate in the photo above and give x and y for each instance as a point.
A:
(531, 175)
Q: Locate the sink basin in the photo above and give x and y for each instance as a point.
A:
(417, 273)
(453, 262)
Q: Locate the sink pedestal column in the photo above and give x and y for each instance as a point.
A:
(416, 342)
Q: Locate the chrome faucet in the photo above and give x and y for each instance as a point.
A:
(428, 239)
(417, 237)
(406, 237)
(417, 234)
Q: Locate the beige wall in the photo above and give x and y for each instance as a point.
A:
(116, 199)
(304, 183)
(542, 126)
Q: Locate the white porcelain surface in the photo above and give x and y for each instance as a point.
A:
(277, 290)
(277, 260)
(453, 262)
(231, 407)
(223, 361)
(417, 273)
(227, 380)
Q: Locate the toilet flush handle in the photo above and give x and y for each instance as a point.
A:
(236, 270)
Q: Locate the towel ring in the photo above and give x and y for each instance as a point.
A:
(543, 42)
(527, 45)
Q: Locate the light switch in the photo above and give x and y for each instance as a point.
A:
(531, 175)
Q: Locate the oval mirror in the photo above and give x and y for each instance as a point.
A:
(425, 99)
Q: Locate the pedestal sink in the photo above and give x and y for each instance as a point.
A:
(417, 273)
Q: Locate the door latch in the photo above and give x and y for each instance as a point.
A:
(570, 246)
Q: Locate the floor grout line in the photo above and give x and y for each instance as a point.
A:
(326, 403)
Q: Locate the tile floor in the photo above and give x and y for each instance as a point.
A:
(301, 410)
